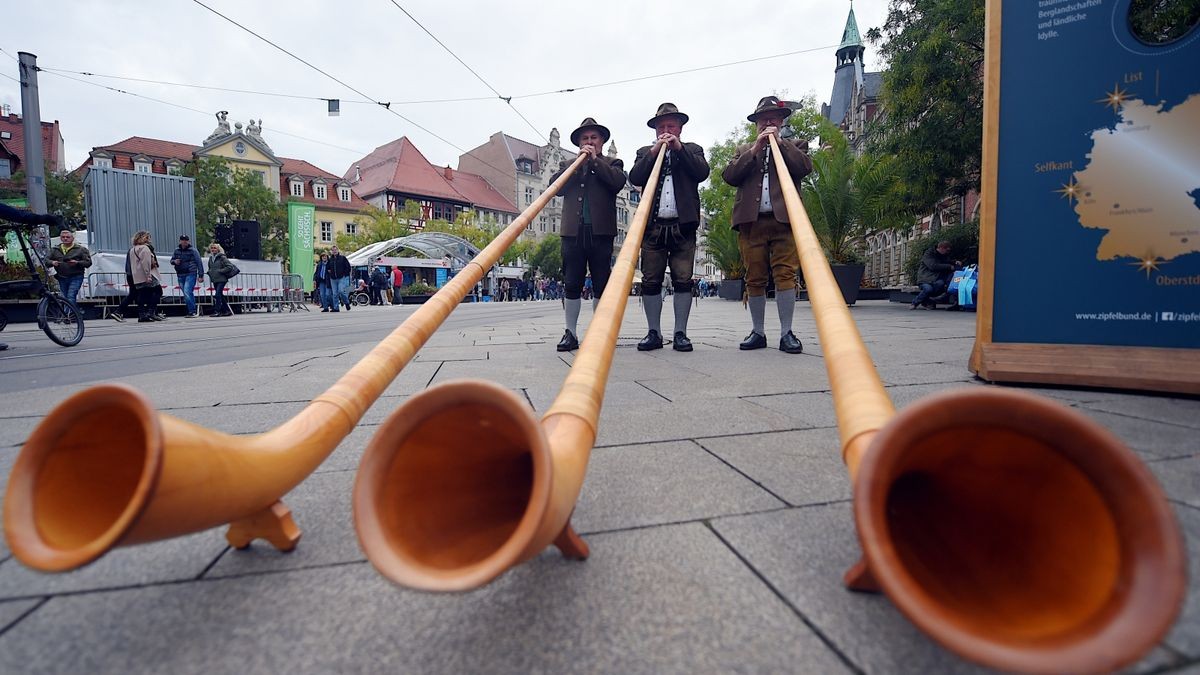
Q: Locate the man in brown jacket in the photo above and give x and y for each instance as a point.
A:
(589, 222)
(764, 235)
(670, 237)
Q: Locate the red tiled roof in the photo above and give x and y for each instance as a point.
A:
(13, 124)
(399, 166)
(299, 167)
(481, 193)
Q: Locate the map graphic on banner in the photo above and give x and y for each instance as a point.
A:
(1098, 170)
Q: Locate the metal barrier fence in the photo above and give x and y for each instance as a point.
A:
(245, 292)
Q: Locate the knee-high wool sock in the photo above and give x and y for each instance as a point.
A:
(683, 306)
(785, 302)
(653, 304)
(572, 307)
(758, 312)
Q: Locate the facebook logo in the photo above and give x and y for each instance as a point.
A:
(1168, 316)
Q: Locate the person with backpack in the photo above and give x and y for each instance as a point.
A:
(220, 271)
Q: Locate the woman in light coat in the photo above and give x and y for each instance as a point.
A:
(143, 267)
(219, 268)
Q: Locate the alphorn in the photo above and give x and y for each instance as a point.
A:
(1015, 532)
(104, 469)
(461, 482)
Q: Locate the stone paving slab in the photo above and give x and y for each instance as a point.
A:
(1185, 636)
(675, 600)
(804, 552)
(14, 609)
(1184, 412)
(800, 467)
(1150, 439)
(171, 560)
(1180, 478)
(657, 483)
(623, 425)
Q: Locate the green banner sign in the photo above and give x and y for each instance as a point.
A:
(300, 240)
(12, 248)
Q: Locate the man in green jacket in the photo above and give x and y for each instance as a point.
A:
(69, 260)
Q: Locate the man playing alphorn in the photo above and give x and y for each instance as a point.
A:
(589, 222)
(760, 217)
(670, 237)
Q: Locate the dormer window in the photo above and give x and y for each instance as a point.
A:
(344, 194)
(174, 167)
(297, 188)
(101, 160)
(319, 191)
(525, 165)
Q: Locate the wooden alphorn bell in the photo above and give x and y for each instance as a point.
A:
(104, 469)
(1014, 531)
(462, 482)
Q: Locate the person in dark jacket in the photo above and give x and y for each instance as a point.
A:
(670, 238)
(188, 269)
(761, 220)
(589, 221)
(339, 278)
(933, 274)
(69, 260)
(378, 283)
(322, 286)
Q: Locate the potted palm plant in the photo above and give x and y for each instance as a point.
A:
(847, 198)
(721, 243)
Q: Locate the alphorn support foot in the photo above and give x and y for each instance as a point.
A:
(273, 523)
(859, 578)
(570, 544)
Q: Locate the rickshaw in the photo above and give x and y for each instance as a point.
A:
(58, 317)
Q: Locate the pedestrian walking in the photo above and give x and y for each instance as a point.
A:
(189, 268)
(220, 271)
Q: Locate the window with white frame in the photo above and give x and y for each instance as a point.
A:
(319, 191)
(528, 196)
(326, 232)
(351, 228)
(344, 194)
(297, 188)
(141, 167)
(174, 168)
(5, 168)
(262, 176)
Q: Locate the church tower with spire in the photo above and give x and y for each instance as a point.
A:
(847, 74)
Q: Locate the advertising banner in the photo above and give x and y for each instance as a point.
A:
(300, 241)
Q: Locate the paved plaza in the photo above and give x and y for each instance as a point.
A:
(716, 506)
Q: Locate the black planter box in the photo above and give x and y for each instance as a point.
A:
(731, 289)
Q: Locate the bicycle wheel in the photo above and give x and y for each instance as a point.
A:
(60, 320)
(3, 319)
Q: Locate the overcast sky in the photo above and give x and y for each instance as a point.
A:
(518, 46)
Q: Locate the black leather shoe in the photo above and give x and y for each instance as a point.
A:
(790, 343)
(568, 342)
(753, 341)
(652, 341)
(681, 343)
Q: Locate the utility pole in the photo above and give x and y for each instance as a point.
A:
(35, 172)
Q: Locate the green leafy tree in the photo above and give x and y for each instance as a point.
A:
(64, 195)
(374, 225)
(848, 197)
(546, 257)
(932, 96)
(224, 191)
(716, 197)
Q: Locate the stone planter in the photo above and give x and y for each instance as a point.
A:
(731, 289)
(848, 278)
(414, 299)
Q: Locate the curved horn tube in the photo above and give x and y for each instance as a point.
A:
(105, 469)
(1015, 532)
(461, 482)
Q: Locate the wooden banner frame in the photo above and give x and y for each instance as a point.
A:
(1148, 368)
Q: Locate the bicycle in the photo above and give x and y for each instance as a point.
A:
(58, 317)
